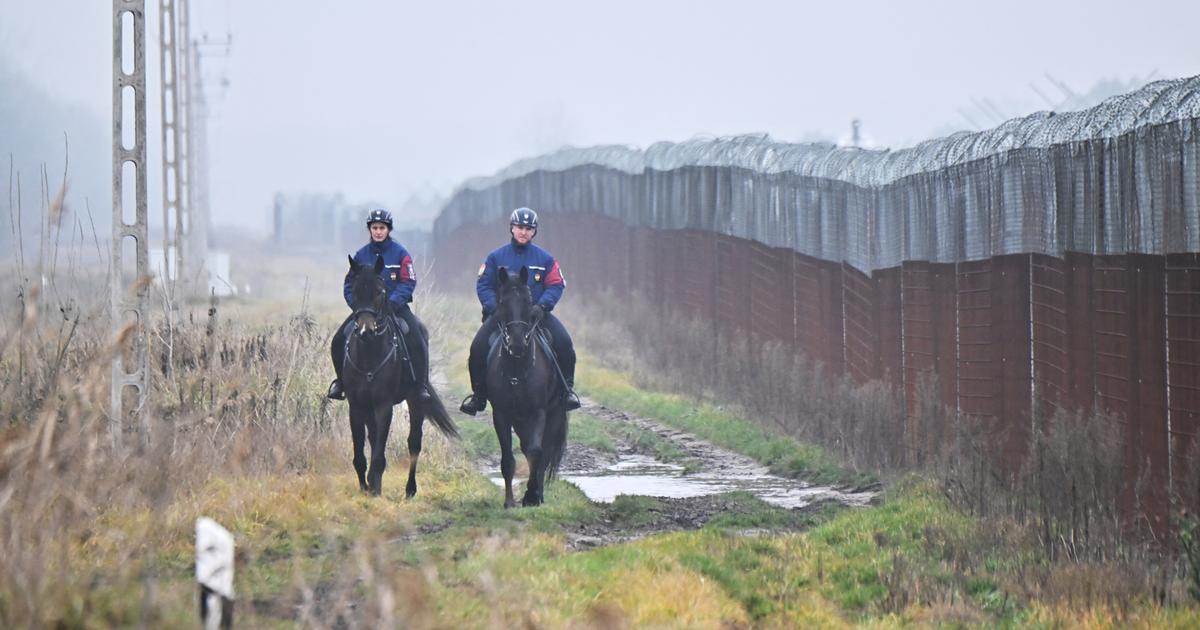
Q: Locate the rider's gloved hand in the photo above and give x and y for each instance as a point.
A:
(537, 312)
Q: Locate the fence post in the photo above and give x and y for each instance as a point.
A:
(214, 573)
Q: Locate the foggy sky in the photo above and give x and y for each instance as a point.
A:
(381, 99)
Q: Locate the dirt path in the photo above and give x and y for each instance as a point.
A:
(683, 495)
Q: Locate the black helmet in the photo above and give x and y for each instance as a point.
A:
(379, 216)
(523, 216)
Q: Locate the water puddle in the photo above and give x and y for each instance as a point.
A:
(637, 474)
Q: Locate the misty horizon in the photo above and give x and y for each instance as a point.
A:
(386, 104)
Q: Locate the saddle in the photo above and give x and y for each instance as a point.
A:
(405, 340)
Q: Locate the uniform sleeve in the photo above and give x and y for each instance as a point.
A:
(554, 285)
(484, 285)
(403, 291)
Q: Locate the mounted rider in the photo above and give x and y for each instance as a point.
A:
(400, 279)
(546, 285)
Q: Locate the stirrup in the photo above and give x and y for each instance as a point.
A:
(572, 400)
(335, 391)
(423, 394)
(473, 404)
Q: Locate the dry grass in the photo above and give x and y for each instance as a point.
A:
(237, 429)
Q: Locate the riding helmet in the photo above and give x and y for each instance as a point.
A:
(523, 216)
(379, 216)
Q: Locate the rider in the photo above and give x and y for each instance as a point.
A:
(546, 285)
(400, 280)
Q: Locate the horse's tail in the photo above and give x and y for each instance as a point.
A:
(554, 440)
(436, 411)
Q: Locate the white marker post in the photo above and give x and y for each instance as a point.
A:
(214, 572)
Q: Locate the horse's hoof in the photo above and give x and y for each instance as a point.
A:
(509, 503)
(531, 501)
(410, 492)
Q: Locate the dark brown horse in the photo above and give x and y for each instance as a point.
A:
(378, 372)
(525, 391)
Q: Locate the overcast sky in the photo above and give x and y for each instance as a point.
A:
(381, 99)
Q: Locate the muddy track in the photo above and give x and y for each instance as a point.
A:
(715, 471)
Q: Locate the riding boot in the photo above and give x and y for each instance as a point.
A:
(477, 367)
(474, 403)
(337, 350)
(477, 401)
(567, 364)
(420, 372)
(572, 398)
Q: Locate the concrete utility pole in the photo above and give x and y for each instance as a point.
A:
(194, 157)
(173, 197)
(130, 294)
(193, 216)
(198, 197)
(185, 178)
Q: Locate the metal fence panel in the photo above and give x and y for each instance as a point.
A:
(1048, 326)
(1183, 374)
(861, 340)
(978, 368)
(1149, 404)
(888, 331)
(817, 295)
(1010, 285)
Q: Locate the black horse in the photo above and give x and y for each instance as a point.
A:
(378, 372)
(525, 390)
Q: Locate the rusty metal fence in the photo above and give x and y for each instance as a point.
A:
(1052, 262)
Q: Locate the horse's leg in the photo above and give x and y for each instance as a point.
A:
(358, 432)
(416, 422)
(508, 463)
(531, 445)
(554, 440)
(379, 436)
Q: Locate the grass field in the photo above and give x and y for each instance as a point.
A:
(95, 538)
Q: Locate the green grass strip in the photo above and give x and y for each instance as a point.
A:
(782, 455)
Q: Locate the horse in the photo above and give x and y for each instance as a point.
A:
(525, 391)
(378, 372)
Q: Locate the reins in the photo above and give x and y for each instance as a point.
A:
(506, 337)
(389, 357)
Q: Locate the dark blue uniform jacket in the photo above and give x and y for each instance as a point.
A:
(397, 272)
(545, 278)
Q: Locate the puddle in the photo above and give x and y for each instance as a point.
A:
(632, 473)
(636, 474)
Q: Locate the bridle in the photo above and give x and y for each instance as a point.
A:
(379, 331)
(507, 336)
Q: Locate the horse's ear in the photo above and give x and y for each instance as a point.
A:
(524, 275)
(379, 264)
(351, 259)
(502, 275)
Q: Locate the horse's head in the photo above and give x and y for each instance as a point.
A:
(368, 296)
(514, 311)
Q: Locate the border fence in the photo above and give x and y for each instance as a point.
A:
(1052, 262)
